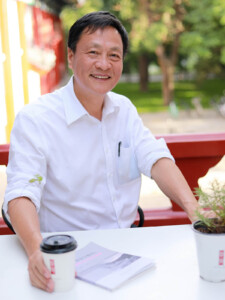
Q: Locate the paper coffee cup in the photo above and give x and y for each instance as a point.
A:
(59, 256)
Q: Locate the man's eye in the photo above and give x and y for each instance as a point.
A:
(93, 52)
(115, 56)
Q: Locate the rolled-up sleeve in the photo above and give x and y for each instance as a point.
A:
(148, 149)
(26, 159)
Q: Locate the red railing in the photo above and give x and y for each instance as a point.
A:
(194, 155)
(4, 153)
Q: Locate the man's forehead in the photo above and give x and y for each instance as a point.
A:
(99, 31)
(88, 32)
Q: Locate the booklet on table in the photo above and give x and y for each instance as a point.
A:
(107, 268)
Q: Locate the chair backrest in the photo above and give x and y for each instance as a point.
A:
(7, 222)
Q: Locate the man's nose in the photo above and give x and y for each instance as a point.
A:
(103, 62)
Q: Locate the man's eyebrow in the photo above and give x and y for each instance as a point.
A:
(116, 49)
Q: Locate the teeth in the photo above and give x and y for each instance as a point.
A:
(100, 77)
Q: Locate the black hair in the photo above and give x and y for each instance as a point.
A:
(92, 22)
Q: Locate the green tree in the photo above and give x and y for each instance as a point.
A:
(203, 41)
(71, 13)
(173, 28)
(156, 26)
(165, 29)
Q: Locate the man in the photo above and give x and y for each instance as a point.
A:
(89, 146)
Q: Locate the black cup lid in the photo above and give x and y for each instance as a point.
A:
(56, 244)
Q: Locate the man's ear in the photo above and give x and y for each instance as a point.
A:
(70, 55)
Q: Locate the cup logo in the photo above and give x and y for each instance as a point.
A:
(52, 266)
(221, 257)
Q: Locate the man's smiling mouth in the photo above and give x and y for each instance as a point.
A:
(100, 76)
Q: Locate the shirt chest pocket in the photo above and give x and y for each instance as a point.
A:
(126, 165)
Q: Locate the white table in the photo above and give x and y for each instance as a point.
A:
(175, 277)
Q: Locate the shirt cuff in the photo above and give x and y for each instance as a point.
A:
(17, 194)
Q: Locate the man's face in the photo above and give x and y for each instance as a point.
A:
(97, 62)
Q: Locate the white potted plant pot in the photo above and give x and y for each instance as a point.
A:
(211, 254)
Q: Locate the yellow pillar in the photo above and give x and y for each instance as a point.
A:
(6, 68)
(25, 66)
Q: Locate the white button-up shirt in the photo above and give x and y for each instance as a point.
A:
(91, 169)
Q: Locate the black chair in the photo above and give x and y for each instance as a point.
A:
(141, 218)
(7, 221)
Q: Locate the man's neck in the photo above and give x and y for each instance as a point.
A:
(94, 109)
(92, 103)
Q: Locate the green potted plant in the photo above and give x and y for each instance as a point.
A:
(209, 232)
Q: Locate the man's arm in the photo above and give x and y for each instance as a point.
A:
(24, 219)
(173, 184)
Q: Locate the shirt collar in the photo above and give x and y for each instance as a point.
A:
(110, 105)
(74, 110)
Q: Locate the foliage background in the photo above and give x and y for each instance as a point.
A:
(170, 37)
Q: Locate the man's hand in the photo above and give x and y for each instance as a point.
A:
(25, 222)
(40, 276)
